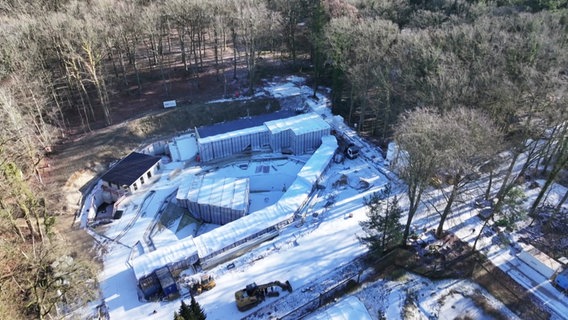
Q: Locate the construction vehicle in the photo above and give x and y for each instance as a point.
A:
(352, 151)
(254, 294)
(204, 283)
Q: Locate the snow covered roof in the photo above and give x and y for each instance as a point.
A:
(149, 262)
(183, 147)
(319, 160)
(224, 236)
(225, 193)
(286, 89)
(240, 124)
(346, 309)
(289, 203)
(237, 133)
(130, 168)
(308, 122)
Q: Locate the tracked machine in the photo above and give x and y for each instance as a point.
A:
(204, 283)
(254, 294)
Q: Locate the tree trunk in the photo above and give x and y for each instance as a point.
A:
(448, 208)
(489, 185)
(562, 201)
(123, 68)
(414, 197)
(234, 38)
(216, 51)
(506, 185)
(137, 72)
(560, 164)
(351, 104)
(182, 48)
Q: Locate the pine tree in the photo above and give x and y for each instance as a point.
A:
(185, 311)
(193, 311)
(384, 231)
(196, 310)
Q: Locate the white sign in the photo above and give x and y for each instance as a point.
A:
(170, 104)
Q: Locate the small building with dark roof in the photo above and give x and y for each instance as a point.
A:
(130, 173)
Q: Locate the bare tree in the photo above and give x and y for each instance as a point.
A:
(253, 19)
(469, 140)
(417, 160)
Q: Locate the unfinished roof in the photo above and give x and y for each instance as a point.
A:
(164, 256)
(235, 125)
(296, 195)
(299, 124)
(129, 169)
(227, 192)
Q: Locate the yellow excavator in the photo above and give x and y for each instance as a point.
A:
(254, 294)
(204, 283)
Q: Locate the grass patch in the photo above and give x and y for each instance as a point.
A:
(481, 302)
(196, 115)
(397, 274)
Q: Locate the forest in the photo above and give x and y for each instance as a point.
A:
(454, 82)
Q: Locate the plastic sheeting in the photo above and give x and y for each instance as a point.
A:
(562, 280)
(212, 244)
(183, 148)
(217, 201)
(300, 133)
(239, 231)
(227, 144)
(164, 256)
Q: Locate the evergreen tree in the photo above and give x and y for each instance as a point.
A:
(384, 231)
(193, 311)
(196, 310)
(185, 311)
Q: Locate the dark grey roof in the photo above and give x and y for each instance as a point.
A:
(224, 127)
(129, 169)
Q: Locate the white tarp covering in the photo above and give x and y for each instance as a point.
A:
(282, 90)
(247, 228)
(301, 133)
(183, 148)
(300, 123)
(226, 144)
(217, 201)
(293, 199)
(150, 262)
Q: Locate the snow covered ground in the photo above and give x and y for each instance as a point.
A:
(311, 253)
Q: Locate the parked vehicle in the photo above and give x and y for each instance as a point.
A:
(254, 294)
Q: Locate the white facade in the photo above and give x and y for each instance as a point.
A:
(147, 177)
(227, 144)
(300, 134)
